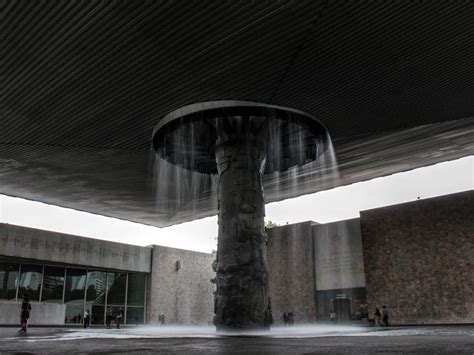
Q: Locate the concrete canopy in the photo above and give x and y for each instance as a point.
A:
(83, 84)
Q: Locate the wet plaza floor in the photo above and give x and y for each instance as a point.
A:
(204, 340)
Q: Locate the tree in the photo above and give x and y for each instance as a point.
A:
(270, 224)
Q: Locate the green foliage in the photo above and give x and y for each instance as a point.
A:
(270, 224)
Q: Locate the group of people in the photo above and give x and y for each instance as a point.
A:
(288, 318)
(26, 310)
(380, 318)
(110, 317)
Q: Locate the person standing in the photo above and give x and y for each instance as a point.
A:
(385, 315)
(268, 320)
(118, 318)
(87, 319)
(108, 318)
(376, 317)
(25, 313)
(291, 318)
(285, 319)
(333, 316)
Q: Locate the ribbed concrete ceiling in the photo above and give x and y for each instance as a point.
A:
(83, 83)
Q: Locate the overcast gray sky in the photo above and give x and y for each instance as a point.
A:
(326, 206)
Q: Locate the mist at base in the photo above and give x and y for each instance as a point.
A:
(184, 331)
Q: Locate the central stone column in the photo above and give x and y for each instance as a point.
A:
(242, 277)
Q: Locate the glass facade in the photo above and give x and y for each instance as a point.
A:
(9, 277)
(96, 286)
(135, 315)
(95, 295)
(53, 284)
(116, 283)
(30, 281)
(74, 294)
(135, 300)
(79, 288)
(136, 289)
(97, 314)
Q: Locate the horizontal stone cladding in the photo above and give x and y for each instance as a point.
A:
(290, 256)
(419, 259)
(180, 287)
(44, 245)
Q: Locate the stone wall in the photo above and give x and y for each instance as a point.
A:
(419, 259)
(37, 244)
(291, 272)
(180, 287)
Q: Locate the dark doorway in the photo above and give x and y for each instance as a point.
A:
(98, 314)
(342, 307)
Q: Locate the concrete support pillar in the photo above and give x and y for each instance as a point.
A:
(242, 277)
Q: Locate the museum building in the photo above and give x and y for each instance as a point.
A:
(64, 275)
(409, 257)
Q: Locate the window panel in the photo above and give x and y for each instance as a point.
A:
(74, 295)
(96, 281)
(9, 274)
(53, 284)
(116, 288)
(30, 281)
(136, 289)
(97, 314)
(135, 315)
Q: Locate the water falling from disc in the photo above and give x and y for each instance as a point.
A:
(229, 147)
